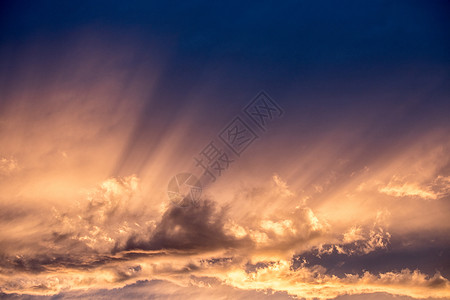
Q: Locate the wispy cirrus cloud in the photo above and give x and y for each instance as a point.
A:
(437, 188)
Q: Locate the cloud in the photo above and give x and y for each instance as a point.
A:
(407, 189)
(108, 240)
(356, 241)
(196, 227)
(8, 166)
(433, 189)
(162, 289)
(312, 282)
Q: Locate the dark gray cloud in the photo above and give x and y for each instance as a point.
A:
(429, 254)
(196, 227)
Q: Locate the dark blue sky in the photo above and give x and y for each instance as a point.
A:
(269, 41)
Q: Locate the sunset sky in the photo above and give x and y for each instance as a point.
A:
(318, 133)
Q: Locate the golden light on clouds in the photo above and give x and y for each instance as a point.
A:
(344, 192)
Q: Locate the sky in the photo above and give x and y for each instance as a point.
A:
(225, 150)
